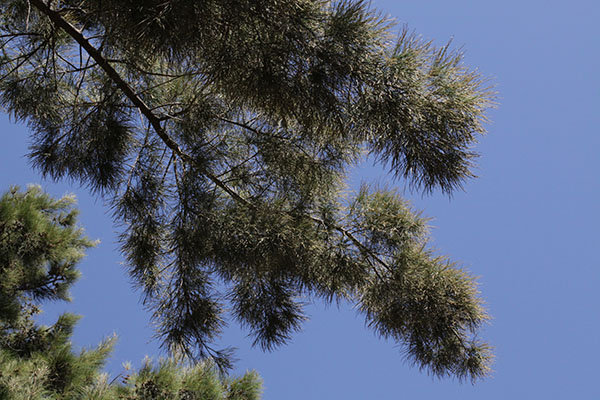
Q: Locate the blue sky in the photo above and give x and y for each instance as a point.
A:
(528, 227)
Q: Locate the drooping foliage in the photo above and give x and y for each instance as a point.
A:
(40, 246)
(222, 132)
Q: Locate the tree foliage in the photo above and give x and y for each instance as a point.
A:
(222, 131)
(40, 246)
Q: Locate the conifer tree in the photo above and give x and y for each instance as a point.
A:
(40, 246)
(221, 131)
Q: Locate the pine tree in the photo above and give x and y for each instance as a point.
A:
(40, 246)
(221, 132)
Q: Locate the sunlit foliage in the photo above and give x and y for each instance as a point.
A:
(222, 131)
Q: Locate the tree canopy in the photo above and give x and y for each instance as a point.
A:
(40, 246)
(222, 131)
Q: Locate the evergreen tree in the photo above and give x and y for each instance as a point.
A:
(222, 131)
(40, 246)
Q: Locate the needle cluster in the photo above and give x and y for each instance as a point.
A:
(222, 131)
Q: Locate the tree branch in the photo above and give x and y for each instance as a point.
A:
(59, 21)
(357, 243)
(155, 121)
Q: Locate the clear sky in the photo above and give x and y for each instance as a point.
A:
(528, 227)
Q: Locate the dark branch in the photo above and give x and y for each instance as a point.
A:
(59, 21)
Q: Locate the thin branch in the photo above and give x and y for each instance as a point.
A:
(84, 71)
(25, 58)
(241, 125)
(12, 35)
(356, 242)
(146, 72)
